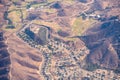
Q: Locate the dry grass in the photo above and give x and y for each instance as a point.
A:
(49, 1)
(52, 25)
(68, 1)
(23, 62)
(49, 10)
(15, 16)
(12, 7)
(17, 27)
(79, 25)
(25, 13)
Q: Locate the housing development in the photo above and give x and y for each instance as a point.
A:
(59, 40)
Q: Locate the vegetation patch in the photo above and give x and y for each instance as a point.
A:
(49, 10)
(62, 33)
(92, 67)
(15, 16)
(80, 26)
(53, 25)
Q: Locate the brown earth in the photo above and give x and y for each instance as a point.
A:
(25, 60)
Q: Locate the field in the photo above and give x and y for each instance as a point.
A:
(79, 25)
(15, 16)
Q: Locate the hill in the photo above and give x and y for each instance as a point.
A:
(103, 42)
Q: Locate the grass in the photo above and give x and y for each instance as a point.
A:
(79, 26)
(15, 16)
(37, 5)
(49, 1)
(70, 39)
(49, 10)
(12, 30)
(68, 1)
(15, 0)
(12, 7)
(52, 25)
(25, 13)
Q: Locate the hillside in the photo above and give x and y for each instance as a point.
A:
(103, 42)
(59, 39)
(4, 59)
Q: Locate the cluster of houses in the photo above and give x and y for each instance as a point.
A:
(66, 67)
